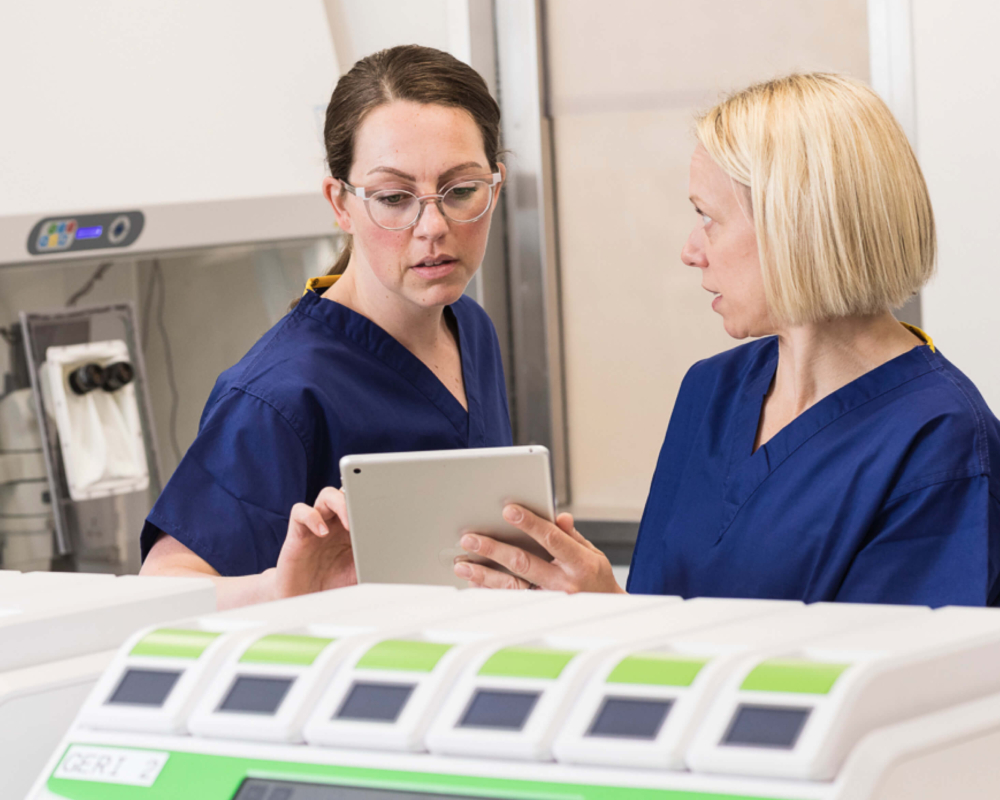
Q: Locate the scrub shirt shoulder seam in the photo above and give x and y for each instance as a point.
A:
(982, 450)
(278, 333)
(239, 499)
(936, 479)
(293, 424)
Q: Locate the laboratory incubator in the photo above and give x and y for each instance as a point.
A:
(58, 633)
(384, 692)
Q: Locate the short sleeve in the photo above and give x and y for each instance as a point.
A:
(934, 546)
(230, 497)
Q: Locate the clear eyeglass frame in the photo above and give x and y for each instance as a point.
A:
(367, 195)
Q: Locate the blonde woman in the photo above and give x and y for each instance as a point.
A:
(841, 456)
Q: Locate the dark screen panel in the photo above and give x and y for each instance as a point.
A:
(766, 726)
(376, 702)
(498, 709)
(256, 695)
(630, 717)
(257, 789)
(144, 687)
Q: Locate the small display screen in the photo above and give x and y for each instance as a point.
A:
(258, 789)
(375, 702)
(631, 718)
(498, 709)
(93, 232)
(144, 687)
(254, 695)
(766, 726)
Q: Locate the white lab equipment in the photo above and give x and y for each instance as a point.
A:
(88, 388)
(421, 669)
(58, 633)
(161, 672)
(221, 146)
(642, 705)
(511, 700)
(270, 683)
(924, 754)
(799, 711)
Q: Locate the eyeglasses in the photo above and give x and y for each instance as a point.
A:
(466, 200)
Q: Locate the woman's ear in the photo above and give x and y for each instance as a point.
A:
(502, 169)
(335, 195)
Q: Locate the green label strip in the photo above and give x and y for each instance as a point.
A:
(527, 662)
(174, 643)
(201, 776)
(404, 654)
(654, 669)
(797, 676)
(283, 648)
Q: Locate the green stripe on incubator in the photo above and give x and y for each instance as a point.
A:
(404, 654)
(527, 662)
(174, 643)
(284, 648)
(797, 676)
(656, 669)
(200, 776)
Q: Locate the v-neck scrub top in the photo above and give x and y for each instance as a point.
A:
(883, 492)
(323, 383)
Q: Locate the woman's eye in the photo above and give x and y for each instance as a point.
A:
(392, 199)
(463, 192)
(705, 219)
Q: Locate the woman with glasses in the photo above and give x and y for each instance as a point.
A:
(383, 354)
(840, 456)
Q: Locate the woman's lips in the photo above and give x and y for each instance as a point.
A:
(446, 267)
(715, 302)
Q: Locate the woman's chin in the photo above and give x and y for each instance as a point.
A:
(438, 294)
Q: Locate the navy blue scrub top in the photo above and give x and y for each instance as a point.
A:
(323, 383)
(883, 492)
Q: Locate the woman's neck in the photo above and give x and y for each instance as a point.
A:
(816, 360)
(418, 329)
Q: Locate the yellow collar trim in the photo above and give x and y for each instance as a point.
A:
(920, 335)
(322, 282)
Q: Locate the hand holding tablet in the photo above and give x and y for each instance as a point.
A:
(408, 512)
(571, 563)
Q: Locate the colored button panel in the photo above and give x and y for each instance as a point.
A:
(174, 643)
(527, 662)
(404, 654)
(281, 648)
(793, 675)
(656, 669)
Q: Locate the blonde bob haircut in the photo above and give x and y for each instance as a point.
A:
(843, 221)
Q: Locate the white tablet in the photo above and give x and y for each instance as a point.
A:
(408, 511)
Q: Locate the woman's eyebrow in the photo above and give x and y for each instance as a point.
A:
(443, 177)
(448, 173)
(392, 171)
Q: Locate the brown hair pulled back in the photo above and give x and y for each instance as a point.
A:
(407, 72)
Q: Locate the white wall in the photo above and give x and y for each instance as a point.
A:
(957, 119)
(626, 79)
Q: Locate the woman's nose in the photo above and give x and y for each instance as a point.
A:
(432, 223)
(693, 253)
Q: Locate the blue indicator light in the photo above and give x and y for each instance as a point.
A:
(90, 233)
